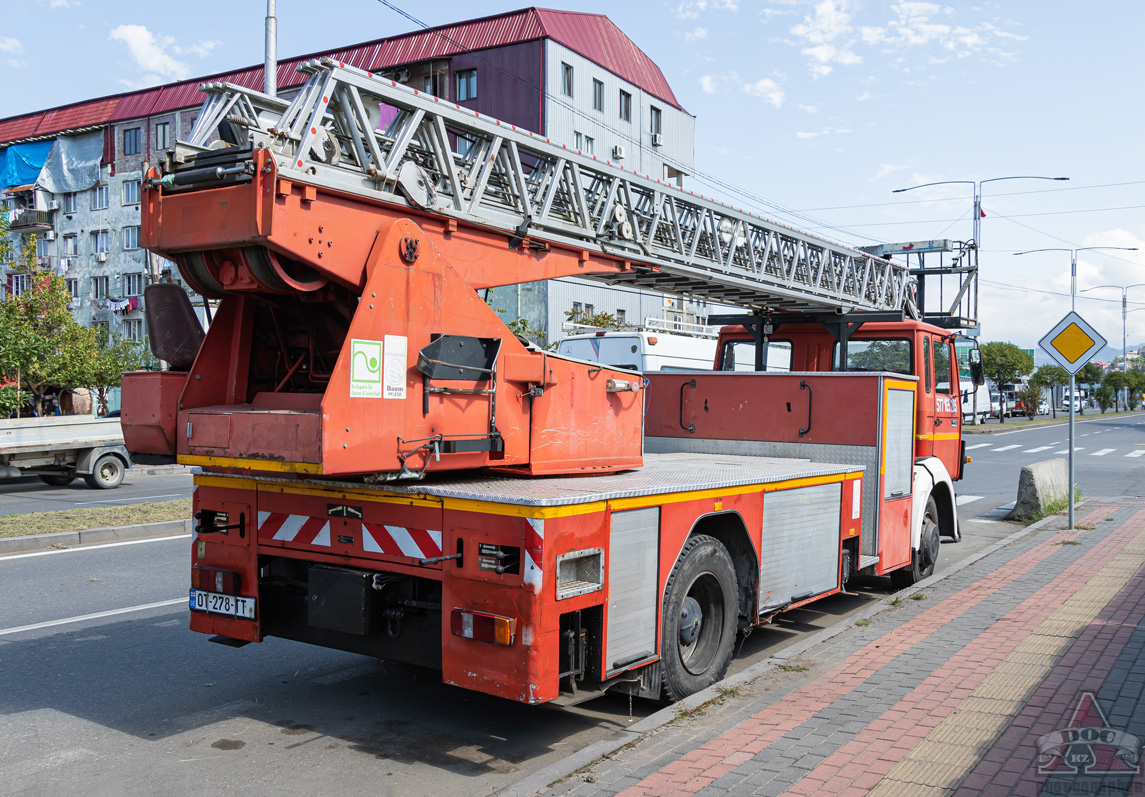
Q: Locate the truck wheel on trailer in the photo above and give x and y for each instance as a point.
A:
(58, 479)
(700, 614)
(107, 473)
(923, 560)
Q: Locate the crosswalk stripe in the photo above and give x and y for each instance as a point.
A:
(978, 445)
(1102, 452)
(1066, 450)
(1006, 448)
(967, 499)
(1136, 453)
(1036, 450)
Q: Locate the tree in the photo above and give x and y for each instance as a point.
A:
(1004, 363)
(1031, 397)
(1115, 381)
(111, 358)
(1047, 376)
(1136, 383)
(880, 355)
(602, 320)
(1104, 396)
(1089, 375)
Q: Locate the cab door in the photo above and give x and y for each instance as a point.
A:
(924, 440)
(947, 432)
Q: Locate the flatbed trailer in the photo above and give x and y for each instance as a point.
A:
(58, 449)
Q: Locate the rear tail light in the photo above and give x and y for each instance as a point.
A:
(483, 627)
(214, 580)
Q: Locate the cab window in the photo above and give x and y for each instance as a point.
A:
(739, 355)
(926, 361)
(876, 354)
(942, 383)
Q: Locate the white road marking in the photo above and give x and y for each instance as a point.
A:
(1136, 453)
(94, 616)
(1036, 450)
(1006, 448)
(978, 445)
(1066, 450)
(967, 499)
(1103, 452)
(93, 547)
(131, 500)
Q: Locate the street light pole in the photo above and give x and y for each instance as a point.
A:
(1124, 312)
(976, 232)
(1072, 379)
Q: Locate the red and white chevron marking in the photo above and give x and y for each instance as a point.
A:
(400, 541)
(534, 553)
(294, 528)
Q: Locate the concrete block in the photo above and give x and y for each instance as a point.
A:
(1038, 485)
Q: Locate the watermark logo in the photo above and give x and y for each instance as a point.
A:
(1088, 745)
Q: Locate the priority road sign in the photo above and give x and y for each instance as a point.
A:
(1072, 343)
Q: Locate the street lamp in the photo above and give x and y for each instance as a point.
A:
(977, 234)
(1072, 379)
(1124, 311)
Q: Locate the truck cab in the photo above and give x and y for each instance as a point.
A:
(906, 347)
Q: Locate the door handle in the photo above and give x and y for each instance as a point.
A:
(690, 427)
(938, 422)
(810, 395)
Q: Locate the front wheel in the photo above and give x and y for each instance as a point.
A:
(107, 473)
(922, 561)
(699, 622)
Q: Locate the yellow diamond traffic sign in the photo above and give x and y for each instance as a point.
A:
(1072, 343)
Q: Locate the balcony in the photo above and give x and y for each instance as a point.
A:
(29, 221)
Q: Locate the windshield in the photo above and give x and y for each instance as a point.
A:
(877, 354)
(739, 355)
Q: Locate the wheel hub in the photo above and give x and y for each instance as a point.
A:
(930, 542)
(691, 621)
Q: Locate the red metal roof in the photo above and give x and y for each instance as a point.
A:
(592, 35)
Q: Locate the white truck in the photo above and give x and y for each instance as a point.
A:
(59, 449)
(652, 347)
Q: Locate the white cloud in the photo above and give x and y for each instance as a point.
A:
(707, 84)
(866, 95)
(9, 44)
(201, 49)
(60, 3)
(801, 134)
(768, 89)
(888, 168)
(697, 34)
(692, 9)
(808, 108)
(155, 55)
(828, 36)
(17, 63)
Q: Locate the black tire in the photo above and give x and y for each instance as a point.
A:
(922, 561)
(107, 473)
(701, 610)
(58, 479)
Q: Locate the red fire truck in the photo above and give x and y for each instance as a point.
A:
(387, 469)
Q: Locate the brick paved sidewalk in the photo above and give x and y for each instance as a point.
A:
(1022, 674)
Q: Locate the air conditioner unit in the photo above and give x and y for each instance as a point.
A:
(50, 235)
(101, 257)
(54, 204)
(657, 139)
(618, 152)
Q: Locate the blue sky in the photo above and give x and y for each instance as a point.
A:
(819, 107)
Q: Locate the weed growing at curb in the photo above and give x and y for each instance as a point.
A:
(895, 601)
(1069, 542)
(727, 692)
(862, 623)
(918, 596)
(1109, 520)
(1084, 527)
(794, 667)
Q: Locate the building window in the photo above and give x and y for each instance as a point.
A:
(131, 141)
(590, 310)
(131, 192)
(579, 141)
(133, 329)
(19, 283)
(130, 237)
(99, 197)
(99, 287)
(597, 95)
(589, 145)
(70, 203)
(620, 316)
(466, 85)
(655, 121)
(42, 247)
(73, 287)
(132, 284)
(100, 242)
(577, 310)
(625, 106)
(162, 135)
(71, 245)
(566, 79)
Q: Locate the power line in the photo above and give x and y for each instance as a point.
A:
(963, 199)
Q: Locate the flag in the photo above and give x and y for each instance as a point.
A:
(980, 210)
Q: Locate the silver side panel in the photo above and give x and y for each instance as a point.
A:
(865, 457)
(633, 597)
(800, 544)
(899, 444)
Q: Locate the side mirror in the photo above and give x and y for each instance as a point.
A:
(976, 373)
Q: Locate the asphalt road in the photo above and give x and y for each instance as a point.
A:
(128, 700)
(28, 494)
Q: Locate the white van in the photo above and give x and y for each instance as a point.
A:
(641, 350)
(985, 409)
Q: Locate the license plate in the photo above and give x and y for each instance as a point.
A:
(222, 604)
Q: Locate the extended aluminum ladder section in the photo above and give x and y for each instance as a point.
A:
(440, 157)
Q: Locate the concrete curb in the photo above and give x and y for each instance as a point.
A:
(545, 777)
(70, 539)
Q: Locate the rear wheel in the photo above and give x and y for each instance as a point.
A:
(699, 622)
(107, 473)
(58, 479)
(922, 561)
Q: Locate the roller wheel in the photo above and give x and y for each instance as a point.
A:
(699, 621)
(922, 561)
(107, 473)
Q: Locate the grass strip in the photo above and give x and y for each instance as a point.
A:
(93, 518)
